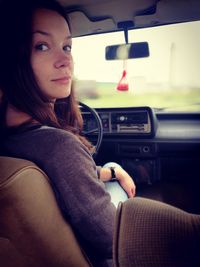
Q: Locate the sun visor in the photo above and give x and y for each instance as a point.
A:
(81, 25)
(166, 13)
(180, 11)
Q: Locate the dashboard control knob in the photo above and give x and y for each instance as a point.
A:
(122, 118)
(146, 149)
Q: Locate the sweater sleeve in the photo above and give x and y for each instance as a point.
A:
(86, 203)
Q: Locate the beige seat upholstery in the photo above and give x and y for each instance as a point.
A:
(149, 233)
(33, 232)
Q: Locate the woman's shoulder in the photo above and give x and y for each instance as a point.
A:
(57, 143)
(54, 131)
(56, 135)
(44, 136)
(46, 141)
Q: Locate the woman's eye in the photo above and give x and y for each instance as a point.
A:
(41, 47)
(67, 48)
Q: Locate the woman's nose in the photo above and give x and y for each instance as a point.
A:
(63, 60)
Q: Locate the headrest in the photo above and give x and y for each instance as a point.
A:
(10, 167)
(152, 233)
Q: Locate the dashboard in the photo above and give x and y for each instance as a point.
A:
(138, 122)
(150, 145)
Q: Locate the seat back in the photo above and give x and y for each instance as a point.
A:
(33, 231)
(149, 233)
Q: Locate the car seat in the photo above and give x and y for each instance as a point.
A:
(149, 233)
(33, 232)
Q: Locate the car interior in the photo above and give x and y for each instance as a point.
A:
(158, 145)
(141, 108)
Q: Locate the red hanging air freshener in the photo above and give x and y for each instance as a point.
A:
(123, 83)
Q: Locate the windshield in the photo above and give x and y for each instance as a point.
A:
(168, 79)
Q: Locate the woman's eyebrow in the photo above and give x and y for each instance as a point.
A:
(41, 32)
(49, 34)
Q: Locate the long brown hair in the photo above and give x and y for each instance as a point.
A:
(17, 80)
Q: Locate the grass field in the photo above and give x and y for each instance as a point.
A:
(179, 100)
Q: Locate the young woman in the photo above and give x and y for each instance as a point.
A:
(40, 120)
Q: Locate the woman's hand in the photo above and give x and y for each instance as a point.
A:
(123, 178)
(125, 181)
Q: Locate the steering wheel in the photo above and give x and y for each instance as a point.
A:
(98, 129)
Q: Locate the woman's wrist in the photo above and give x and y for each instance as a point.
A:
(110, 174)
(119, 173)
(113, 176)
(105, 174)
(116, 173)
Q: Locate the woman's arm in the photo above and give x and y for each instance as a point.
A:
(85, 201)
(122, 176)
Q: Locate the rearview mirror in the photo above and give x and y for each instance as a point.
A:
(127, 51)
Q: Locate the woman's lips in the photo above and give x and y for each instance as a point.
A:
(62, 80)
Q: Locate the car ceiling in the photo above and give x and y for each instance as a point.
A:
(97, 16)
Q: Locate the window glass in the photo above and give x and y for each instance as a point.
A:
(168, 79)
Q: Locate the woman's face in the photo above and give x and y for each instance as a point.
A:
(51, 57)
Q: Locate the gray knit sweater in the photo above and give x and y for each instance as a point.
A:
(73, 173)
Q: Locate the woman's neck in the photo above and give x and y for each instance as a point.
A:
(15, 117)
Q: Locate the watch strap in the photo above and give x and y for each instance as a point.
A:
(113, 174)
